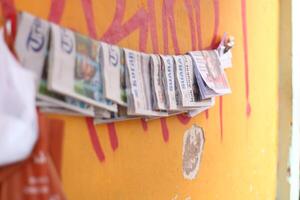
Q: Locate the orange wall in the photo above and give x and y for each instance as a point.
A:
(240, 152)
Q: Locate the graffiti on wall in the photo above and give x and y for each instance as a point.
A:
(144, 20)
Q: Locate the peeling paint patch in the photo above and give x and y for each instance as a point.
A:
(193, 143)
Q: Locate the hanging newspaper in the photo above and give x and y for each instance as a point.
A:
(195, 98)
(184, 73)
(211, 78)
(183, 88)
(147, 78)
(31, 47)
(31, 43)
(138, 84)
(169, 82)
(79, 74)
(188, 64)
(59, 100)
(135, 97)
(157, 83)
(144, 69)
(74, 68)
(112, 63)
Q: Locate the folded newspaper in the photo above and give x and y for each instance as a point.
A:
(195, 98)
(182, 82)
(139, 96)
(31, 46)
(113, 65)
(211, 78)
(158, 95)
(168, 74)
(31, 43)
(74, 68)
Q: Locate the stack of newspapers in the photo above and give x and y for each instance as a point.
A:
(76, 75)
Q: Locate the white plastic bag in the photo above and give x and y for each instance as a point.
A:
(18, 120)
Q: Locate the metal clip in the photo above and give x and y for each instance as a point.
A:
(229, 44)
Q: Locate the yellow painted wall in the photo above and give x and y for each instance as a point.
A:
(239, 165)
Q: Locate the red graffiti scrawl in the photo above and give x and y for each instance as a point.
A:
(221, 117)
(114, 143)
(213, 43)
(119, 29)
(189, 9)
(8, 8)
(56, 10)
(168, 19)
(164, 129)
(94, 139)
(246, 64)
(152, 24)
(89, 17)
(196, 6)
(144, 125)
